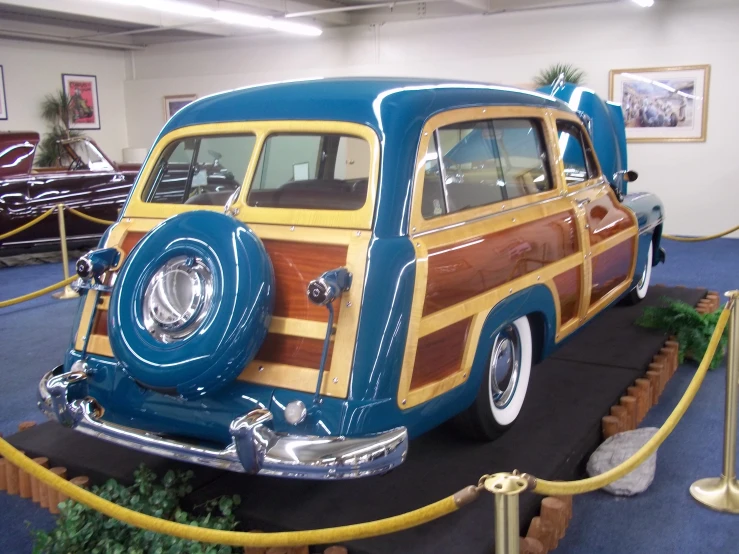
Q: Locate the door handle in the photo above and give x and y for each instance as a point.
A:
(583, 202)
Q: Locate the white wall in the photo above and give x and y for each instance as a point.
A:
(693, 179)
(33, 70)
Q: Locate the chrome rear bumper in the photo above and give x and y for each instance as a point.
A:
(255, 448)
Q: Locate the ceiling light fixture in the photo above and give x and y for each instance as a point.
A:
(644, 3)
(230, 17)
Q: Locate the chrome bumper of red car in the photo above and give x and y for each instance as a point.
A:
(255, 447)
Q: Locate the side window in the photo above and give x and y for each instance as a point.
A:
(579, 164)
(312, 172)
(200, 170)
(483, 162)
(432, 199)
(523, 158)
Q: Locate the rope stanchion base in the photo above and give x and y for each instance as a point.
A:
(719, 493)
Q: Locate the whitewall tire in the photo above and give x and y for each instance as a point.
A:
(504, 385)
(639, 292)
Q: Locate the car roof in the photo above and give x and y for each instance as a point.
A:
(366, 100)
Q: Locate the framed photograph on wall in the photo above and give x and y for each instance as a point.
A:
(173, 104)
(84, 109)
(663, 104)
(3, 102)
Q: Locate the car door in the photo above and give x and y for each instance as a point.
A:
(609, 230)
(489, 218)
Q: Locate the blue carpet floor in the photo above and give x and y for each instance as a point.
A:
(662, 520)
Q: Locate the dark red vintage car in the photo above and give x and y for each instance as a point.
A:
(92, 183)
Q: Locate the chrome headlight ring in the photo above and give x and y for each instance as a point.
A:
(177, 299)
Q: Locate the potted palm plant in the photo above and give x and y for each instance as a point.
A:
(551, 73)
(55, 111)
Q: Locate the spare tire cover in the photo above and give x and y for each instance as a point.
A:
(192, 304)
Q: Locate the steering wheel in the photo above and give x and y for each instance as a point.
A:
(77, 164)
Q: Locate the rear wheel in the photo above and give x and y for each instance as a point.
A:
(639, 292)
(504, 386)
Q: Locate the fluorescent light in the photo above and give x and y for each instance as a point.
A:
(240, 18)
(644, 3)
(230, 17)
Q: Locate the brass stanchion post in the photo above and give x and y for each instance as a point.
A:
(506, 487)
(66, 293)
(722, 493)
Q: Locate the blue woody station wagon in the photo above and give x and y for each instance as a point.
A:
(394, 253)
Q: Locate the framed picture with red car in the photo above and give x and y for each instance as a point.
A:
(84, 108)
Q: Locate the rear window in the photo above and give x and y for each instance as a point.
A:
(203, 171)
(312, 171)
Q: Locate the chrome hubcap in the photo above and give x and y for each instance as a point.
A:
(505, 365)
(177, 299)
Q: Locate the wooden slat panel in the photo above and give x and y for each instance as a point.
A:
(464, 270)
(606, 219)
(130, 240)
(295, 265)
(100, 327)
(291, 350)
(440, 354)
(568, 288)
(611, 268)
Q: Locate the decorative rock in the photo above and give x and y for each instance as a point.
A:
(616, 450)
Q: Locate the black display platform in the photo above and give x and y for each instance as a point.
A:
(557, 430)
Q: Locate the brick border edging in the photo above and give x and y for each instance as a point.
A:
(548, 528)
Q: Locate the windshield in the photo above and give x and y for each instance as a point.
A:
(90, 156)
(312, 171)
(200, 170)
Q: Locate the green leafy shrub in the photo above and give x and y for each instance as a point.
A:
(80, 529)
(551, 73)
(693, 330)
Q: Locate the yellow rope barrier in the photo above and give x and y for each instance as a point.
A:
(700, 239)
(31, 223)
(556, 488)
(235, 538)
(89, 217)
(36, 294)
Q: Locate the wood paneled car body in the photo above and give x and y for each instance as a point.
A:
(398, 253)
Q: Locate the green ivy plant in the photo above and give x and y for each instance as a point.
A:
(692, 329)
(549, 74)
(81, 529)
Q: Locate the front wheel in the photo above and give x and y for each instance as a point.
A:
(504, 386)
(639, 292)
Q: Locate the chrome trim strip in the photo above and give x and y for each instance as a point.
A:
(255, 447)
(566, 194)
